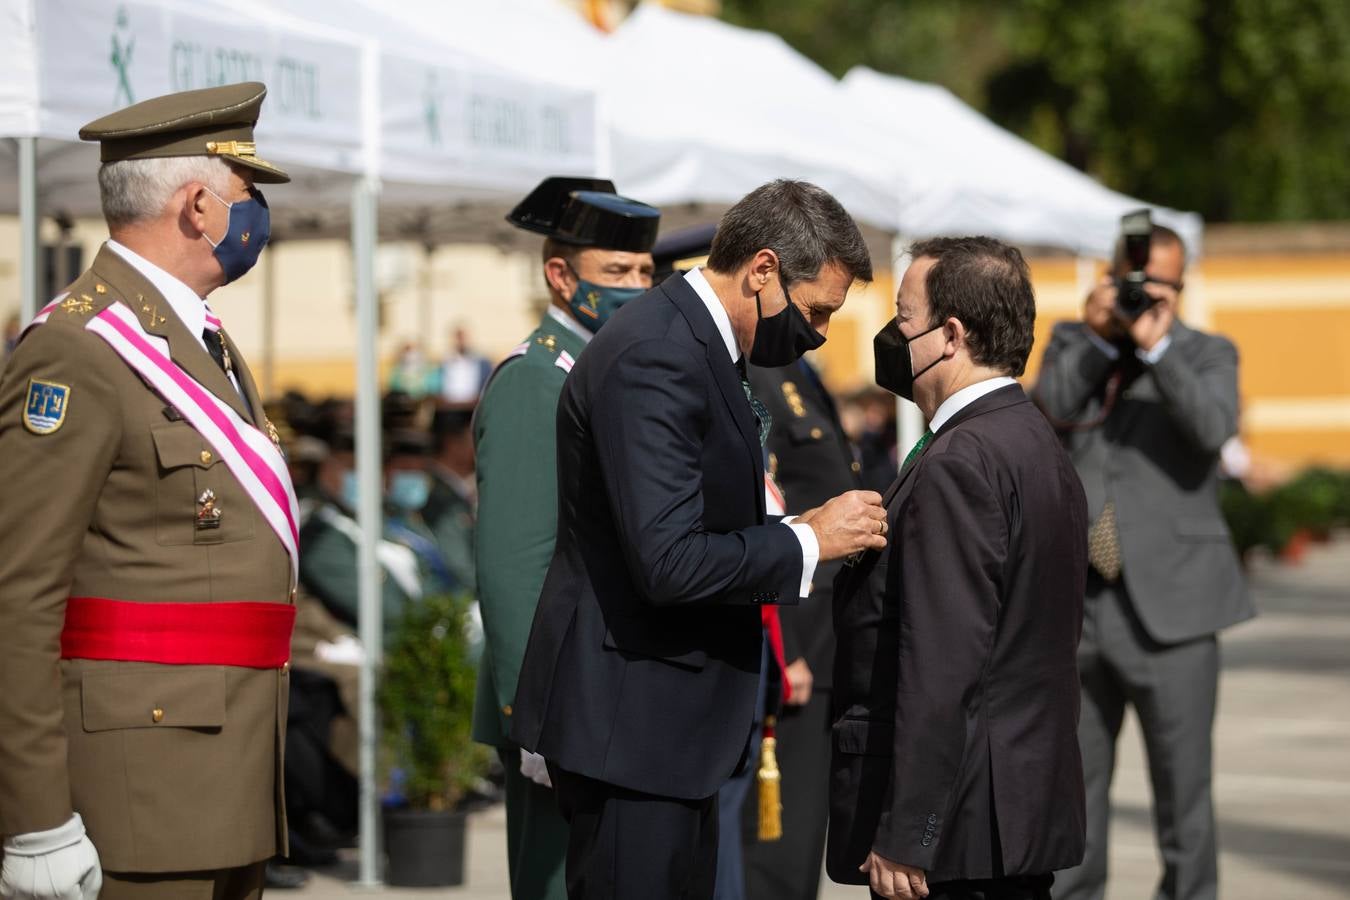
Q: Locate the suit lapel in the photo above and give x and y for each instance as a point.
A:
(897, 493)
(687, 300)
(158, 318)
(1003, 397)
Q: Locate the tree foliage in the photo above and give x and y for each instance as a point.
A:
(1239, 109)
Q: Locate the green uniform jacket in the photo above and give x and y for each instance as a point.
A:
(328, 549)
(450, 516)
(514, 439)
(172, 767)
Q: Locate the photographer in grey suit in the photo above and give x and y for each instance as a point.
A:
(1143, 404)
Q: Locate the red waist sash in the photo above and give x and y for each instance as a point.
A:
(250, 635)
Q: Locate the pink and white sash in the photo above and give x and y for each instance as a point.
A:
(248, 453)
(46, 312)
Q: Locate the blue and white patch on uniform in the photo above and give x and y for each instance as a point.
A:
(45, 410)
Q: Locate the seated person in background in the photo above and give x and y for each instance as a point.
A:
(411, 565)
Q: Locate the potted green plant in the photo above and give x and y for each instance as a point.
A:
(426, 701)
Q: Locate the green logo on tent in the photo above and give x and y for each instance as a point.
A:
(432, 109)
(123, 45)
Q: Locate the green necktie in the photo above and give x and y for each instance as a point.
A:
(762, 415)
(918, 448)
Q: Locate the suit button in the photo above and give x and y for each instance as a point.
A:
(817, 434)
(856, 467)
(156, 715)
(206, 457)
(506, 710)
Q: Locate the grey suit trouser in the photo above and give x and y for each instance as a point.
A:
(1173, 689)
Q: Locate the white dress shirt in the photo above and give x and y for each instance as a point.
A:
(964, 397)
(565, 320)
(183, 300)
(807, 537)
(1113, 352)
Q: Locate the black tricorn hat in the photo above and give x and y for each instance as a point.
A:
(687, 243)
(586, 212)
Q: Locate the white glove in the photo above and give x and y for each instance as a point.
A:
(345, 651)
(533, 767)
(58, 864)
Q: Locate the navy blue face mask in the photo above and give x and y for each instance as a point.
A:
(250, 225)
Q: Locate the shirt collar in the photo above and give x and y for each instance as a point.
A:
(571, 324)
(966, 396)
(189, 308)
(715, 309)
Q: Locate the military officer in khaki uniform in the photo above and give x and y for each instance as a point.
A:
(597, 256)
(147, 539)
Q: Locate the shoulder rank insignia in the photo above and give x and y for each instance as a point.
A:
(45, 409)
(78, 306)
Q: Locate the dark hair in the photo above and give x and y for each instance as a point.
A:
(1160, 234)
(986, 284)
(449, 423)
(566, 252)
(569, 252)
(805, 226)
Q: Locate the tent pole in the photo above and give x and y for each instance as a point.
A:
(427, 299)
(909, 423)
(29, 255)
(364, 236)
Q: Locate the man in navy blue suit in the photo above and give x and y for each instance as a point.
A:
(642, 667)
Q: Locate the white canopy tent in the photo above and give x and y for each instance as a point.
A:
(703, 111)
(962, 174)
(345, 109)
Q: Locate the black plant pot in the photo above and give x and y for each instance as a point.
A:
(425, 847)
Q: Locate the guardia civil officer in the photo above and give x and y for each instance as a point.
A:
(147, 538)
(596, 257)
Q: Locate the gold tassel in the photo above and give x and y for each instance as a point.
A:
(770, 785)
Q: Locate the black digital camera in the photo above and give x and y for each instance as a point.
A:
(1136, 231)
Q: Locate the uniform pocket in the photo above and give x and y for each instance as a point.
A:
(194, 484)
(177, 697)
(807, 431)
(865, 737)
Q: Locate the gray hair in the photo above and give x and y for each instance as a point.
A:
(133, 190)
(802, 224)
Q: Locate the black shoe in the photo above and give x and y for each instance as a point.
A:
(282, 877)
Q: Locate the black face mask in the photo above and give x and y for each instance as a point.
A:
(895, 364)
(781, 339)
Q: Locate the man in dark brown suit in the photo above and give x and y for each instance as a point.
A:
(146, 539)
(956, 771)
